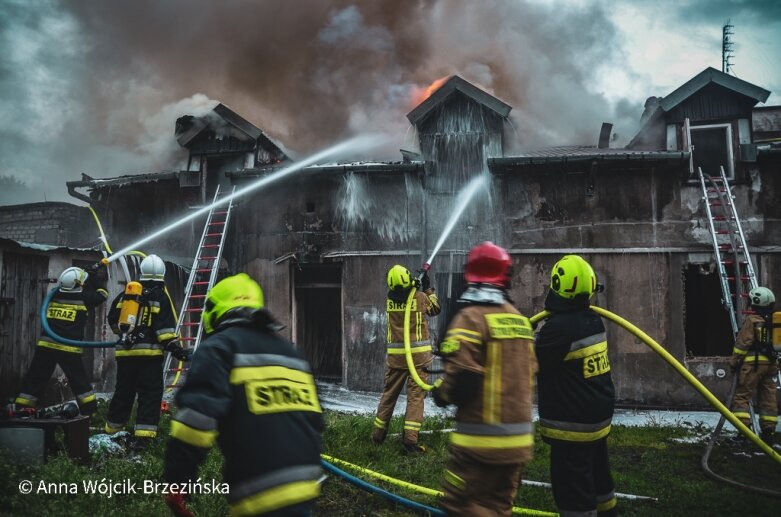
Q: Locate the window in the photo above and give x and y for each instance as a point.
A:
(713, 149)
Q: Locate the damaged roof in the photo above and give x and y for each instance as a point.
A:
(199, 124)
(451, 86)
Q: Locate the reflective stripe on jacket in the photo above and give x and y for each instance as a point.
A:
(249, 392)
(575, 388)
(494, 425)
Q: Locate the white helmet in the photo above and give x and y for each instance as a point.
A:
(72, 279)
(761, 297)
(153, 268)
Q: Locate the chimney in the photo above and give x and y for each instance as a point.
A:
(604, 135)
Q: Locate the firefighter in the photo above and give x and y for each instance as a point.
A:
(425, 303)
(489, 373)
(756, 364)
(139, 355)
(77, 293)
(250, 392)
(576, 395)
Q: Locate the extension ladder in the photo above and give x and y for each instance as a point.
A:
(736, 271)
(203, 276)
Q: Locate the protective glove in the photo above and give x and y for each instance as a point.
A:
(178, 351)
(178, 505)
(425, 281)
(436, 394)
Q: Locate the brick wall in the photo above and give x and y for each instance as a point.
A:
(55, 223)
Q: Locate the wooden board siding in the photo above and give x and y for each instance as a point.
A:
(21, 284)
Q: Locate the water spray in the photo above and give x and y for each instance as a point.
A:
(354, 144)
(462, 201)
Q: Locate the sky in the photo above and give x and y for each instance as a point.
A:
(95, 86)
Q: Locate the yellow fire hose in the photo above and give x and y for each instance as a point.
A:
(645, 338)
(127, 277)
(420, 489)
(407, 350)
(716, 403)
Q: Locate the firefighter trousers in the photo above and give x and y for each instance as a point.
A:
(395, 379)
(45, 360)
(142, 376)
(473, 488)
(759, 379)
(580, 475)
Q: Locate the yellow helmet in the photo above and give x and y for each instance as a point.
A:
(399, 277)
(572, 276)
(230, 293)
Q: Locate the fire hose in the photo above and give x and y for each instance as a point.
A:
(416, 488)
(645, 338)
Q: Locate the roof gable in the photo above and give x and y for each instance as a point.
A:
(196, 125)
(456, 84)
(711, 75)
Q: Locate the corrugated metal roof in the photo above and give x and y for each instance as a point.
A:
(127, 179)
(582, 153)
(451, 86)
(44, 247)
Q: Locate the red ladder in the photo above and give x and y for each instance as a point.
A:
(203, 276)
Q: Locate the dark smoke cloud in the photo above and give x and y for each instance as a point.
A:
(96, 86)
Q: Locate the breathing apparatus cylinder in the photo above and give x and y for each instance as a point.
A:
(776, 340)
(129, 314)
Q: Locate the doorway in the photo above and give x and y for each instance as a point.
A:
(318, 318)
(706, 323)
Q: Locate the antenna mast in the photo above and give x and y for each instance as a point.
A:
(726, 47)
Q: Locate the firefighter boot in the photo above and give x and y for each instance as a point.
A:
(414, 449)
(767, 436)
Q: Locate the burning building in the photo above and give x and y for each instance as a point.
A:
(321, 241)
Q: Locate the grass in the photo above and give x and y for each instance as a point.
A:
(645, 461)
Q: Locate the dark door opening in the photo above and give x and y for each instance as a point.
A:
(711, 150)
(706, 323)
(318, 299)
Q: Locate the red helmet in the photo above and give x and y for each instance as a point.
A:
(487, 263)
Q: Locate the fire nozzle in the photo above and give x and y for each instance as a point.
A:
(423, 270)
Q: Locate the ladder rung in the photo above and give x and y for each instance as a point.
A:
(191, 324)
(197, 296)
(214, 234)
(210, 246)
(203, 270)
(725, 232)
(207, 258)
(221, 212)
(194, 310)
(200, 283)
(215, 223)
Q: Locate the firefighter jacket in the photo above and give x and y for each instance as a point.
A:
(249, 391)
(752, 343)
(423, 304)
(67, 316)
(489, 374)
(156, 327)
(575, 389)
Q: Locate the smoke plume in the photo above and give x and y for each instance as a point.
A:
(95, 87)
